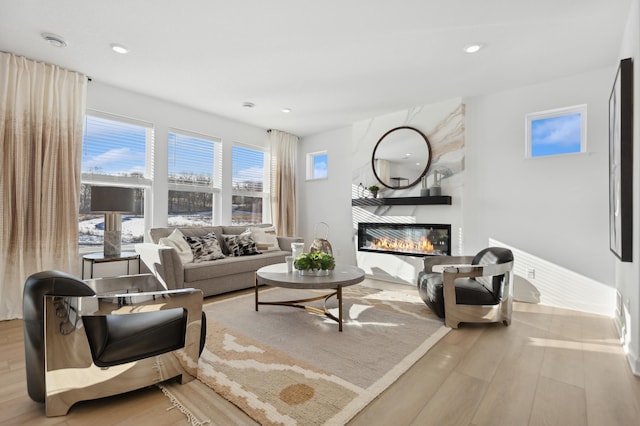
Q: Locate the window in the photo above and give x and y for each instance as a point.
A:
(317, 165)
(556, 132)
(115, 151)
(194, 178)
(250, 193)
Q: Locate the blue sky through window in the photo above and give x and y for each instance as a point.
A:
(190, 156)
(556, 135)
(320, 163)
(113, 147)
(247, 165)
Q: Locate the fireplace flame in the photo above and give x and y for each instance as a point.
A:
(395, 244)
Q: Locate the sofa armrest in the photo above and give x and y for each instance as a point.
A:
(285, 242)
(163, 262)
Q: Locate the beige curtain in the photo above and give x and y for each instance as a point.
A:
(283, 181)
(41, 118)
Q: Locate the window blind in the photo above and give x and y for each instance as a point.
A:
(192, 160)
(248, 169)
(115, 147)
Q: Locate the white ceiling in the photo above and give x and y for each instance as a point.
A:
(333, 62)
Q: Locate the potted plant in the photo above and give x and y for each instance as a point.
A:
(314, 263)
(374, 190)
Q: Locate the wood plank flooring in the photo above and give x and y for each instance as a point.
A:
(550, 367)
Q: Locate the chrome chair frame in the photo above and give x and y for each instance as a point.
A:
(70, 373)
(460, 267)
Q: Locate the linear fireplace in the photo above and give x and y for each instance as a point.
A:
(408, 239)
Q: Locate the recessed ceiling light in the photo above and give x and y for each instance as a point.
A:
(118, 48)
(248, 104)
(286, 110)
(473, 48)
(54, 40)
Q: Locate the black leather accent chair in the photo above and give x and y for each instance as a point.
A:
(469, 288)
(90, 339)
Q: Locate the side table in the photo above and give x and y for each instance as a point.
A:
(93, 258)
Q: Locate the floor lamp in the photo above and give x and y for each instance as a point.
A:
(112, 201)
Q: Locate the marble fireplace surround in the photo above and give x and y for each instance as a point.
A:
(443, 124)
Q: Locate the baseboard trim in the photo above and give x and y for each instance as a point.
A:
(620, 323)
(634, 362)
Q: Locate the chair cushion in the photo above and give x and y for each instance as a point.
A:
(468, 292)
(117, 339)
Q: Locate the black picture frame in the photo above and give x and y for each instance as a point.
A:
(621, 162)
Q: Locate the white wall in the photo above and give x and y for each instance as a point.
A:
(555, 208)
(164, 115)
(327, 200)
(627, 274)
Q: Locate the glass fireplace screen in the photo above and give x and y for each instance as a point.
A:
(409, 239)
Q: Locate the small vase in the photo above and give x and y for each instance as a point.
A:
(375, 194)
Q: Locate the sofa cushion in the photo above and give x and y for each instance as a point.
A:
(265, 238)
(230, 266)
(205, 248)
(241, 245)
(178, 242)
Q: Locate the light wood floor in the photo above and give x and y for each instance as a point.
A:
(550, 367)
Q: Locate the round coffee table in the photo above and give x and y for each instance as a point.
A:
(277, 276)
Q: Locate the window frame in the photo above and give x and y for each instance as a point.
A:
(144, 182)
(265, 194)
(531, 118)
(216, 184)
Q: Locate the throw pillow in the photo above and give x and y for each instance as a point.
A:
(265, 238)
(178, 242)
(241, 245)
(205, 248)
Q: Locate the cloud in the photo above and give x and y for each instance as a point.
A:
(119, 161)
(564, 130)
(116, 155)
(249, 174)
(320, 169)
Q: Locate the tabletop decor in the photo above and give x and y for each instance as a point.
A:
(315, 263)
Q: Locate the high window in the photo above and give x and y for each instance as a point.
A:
(556, 132)
(194, 178)
(116, 151)
(250, 192)
(317, 165)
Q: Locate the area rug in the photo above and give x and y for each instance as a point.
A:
(286, 366)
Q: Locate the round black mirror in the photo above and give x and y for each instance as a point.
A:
(401, 157)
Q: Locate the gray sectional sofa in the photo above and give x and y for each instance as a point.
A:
(211, 276)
